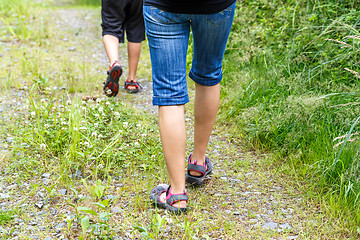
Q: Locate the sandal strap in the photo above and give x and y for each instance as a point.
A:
(173, 198)
(195, 167)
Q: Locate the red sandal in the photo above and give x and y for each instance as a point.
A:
(111, 86)
(132, 83)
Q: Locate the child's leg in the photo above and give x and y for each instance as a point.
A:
(134, 50)
(111, 44)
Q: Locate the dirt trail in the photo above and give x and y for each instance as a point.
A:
(244, 197)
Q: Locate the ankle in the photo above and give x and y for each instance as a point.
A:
(198, 158)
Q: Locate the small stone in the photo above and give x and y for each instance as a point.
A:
(72, 49)
(63, 191)
(292, 237)
(39, 205)
(271, 225)
(41, 194)
(78, 174)
(46, 175)
(285, 226)
(65, 39)
(116, 210)
(3, 204)
(41, 213)
(236, 213)
(10, 139)
(4, 196)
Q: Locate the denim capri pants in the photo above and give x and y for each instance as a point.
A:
(168, 38)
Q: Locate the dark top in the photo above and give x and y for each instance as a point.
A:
(190, 6)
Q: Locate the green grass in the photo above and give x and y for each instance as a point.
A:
(287, 89)
(285, 93)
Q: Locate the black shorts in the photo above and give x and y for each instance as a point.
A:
(119, 16)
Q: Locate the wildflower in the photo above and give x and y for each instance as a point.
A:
(68, 102)
(98, 100)
(33, 114)
(96, 125)
(138, 125)
(100, 136)
(125, 124)
(94, 134)
(42, 146)
(101, 109)
(86, 144)
(75, 128)
(117, 114)
(42, 100)
(107, 103)
(96, 115)
(82, 128)
(136, 144)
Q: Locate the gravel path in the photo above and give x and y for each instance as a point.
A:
(252, 199)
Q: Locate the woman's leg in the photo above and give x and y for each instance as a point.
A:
(210, 34)
(173, 140)
(168, 36)
(205, 110)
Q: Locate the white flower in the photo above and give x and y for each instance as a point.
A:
(68, 102)
(96, 115)
(100, 136)
(107, 103)
(75, 128)
(46, 125)
(42, 100)
(83, 102)
(82, 128)
(98, 100)
(101, 109)
(138, 125)
(42, 146)
(33, 114)
(136, 144)
(125, 124)
(63, 123)
(96, 124)
(86, 144)
(94, 134)
(117, 114)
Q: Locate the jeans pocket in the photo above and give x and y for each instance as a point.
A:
(164, 17)
(217, 18)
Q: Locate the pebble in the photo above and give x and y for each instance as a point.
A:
(4, 196)
(116, 210)
(72, 49)
(46, 175)
(63, 192)
(285, 226)
(39, 205)
(292, 237)
(270, 225)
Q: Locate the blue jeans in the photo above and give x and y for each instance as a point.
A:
(168, 38)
